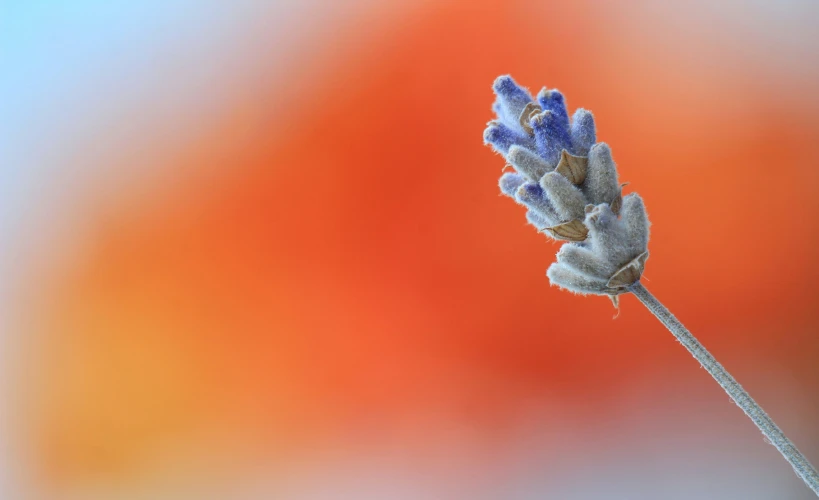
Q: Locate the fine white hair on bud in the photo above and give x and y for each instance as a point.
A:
(528, 163)
(533, 197)
(601, 184)
(565, 197)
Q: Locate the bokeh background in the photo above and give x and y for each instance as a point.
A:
(255, 250)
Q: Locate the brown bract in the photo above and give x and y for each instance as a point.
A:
(572, 167)
(573, 230)
(526, 116)
(629, 274)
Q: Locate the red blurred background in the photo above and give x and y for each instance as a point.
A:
(318, 293)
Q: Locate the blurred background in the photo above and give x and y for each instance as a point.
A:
(255, 250)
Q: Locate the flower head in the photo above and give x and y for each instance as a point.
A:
(569, 185)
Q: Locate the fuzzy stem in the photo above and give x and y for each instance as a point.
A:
(772, 433)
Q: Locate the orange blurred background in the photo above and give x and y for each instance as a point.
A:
(257, 251)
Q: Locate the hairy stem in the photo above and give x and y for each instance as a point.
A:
(774, 435)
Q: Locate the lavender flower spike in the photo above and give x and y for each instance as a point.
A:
(568, 183)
